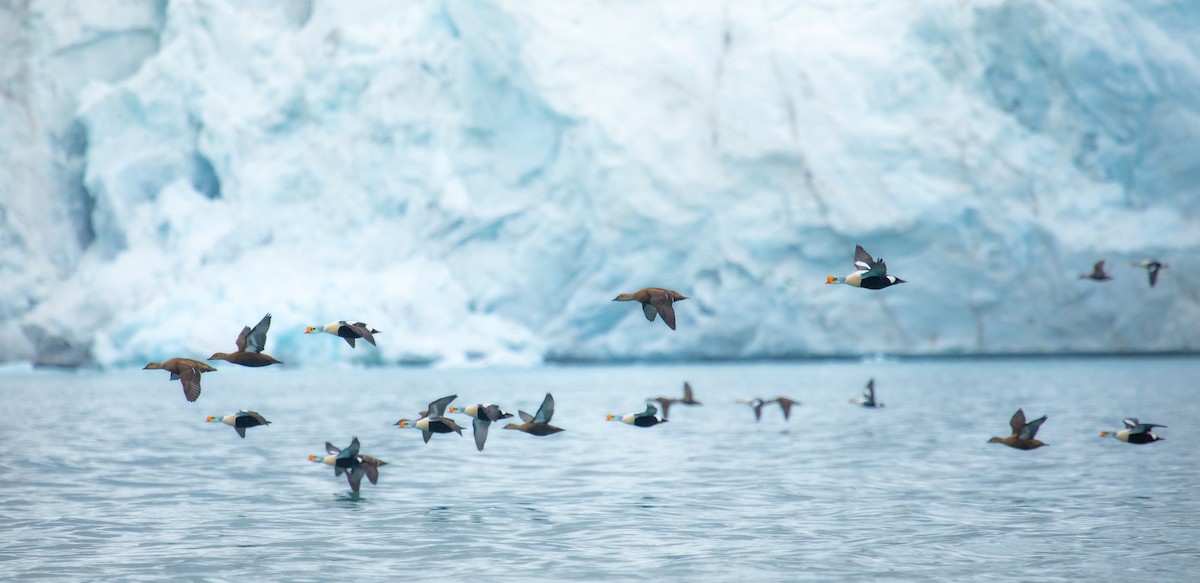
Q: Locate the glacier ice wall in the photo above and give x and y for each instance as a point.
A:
(479, 179)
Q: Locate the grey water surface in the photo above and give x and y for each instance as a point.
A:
(114, 476)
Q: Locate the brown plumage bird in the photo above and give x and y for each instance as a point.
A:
(666, 402)
(1098, 273)
(538, 424)
(1022, 432)
(785, 404)
(185, 370)
(250, 345)
(655, 301)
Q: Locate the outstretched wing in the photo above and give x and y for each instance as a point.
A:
(546, 411)
(649, 311)
(1017, 422)
(493, 413)
(241, 431)
(525, 417)
(362, 330)
(864, 262)
(869, 392)
(253, 340)
(666, 308)
(438, 407)
(650, 411)
(481, 432)
(1153, 271)
(355, 478)
(1143, 428)
(351, 451)
(687, 392)
(329, 448)
(241, 339)
(189, 375)
(255, 416)
(1030, 429)
(1130, 422)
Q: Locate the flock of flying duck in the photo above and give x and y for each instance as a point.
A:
(869, 273)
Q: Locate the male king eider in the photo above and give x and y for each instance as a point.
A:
(346, 331)
(240, 421)
(756, 404)
(250, 345)
(1022, 432)
(1135, 432)
(538, 424)
(871, 274)
(186, 371)
(1152, 267)
(655, 301)
(350, 462)
(868, 398)
(647, 418)
(432, 420)
(482, 415)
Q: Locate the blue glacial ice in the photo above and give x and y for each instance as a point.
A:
(479, 179)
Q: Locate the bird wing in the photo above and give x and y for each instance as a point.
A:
(1017, 422)
(371, 465)
(255, 416)
(241, 431)
(687, 392)
(355, 478)
(546, 411)
(241, 339)
(869, 392)
(525, 417)
(665, 307)
(426, 434)
(331, 449)
(1130, 422)
(666, 406)
(650, 411)
(650, 311)
(864, 262)
(1143, 428)
(785, 404)
(481, 430)
(438, 407)
(362, 330)
(1153, 271)
(256, 339)
(349, 341)
(1098, 269)
(758, 410)
(1030, 429)
(189, 376)
(492, 412)
(351, 451)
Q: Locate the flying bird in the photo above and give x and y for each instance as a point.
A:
(350, 462)
(240, 421)
(1135, 432)
(871, 274)
(1152, 267)
(432, 420)
(647, 418)
(250, 345)
(482, 415)
(1098, 273)
(785, 404)
(185, 370)
(1022, 433)
(346, 331)
(756, 404)
(538, 424)
(655, 301)
(868, 398)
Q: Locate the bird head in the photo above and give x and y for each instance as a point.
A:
(153, 366)
(311, 330)
(831, 279)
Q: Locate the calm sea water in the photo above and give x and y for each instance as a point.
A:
(113, 476)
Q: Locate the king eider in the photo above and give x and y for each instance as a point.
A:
(1135, 432)
(1152, 267)
(756, 404)
(250, 345)
(346, 331)
(1022, 432)
(185, 370)
(482, 415)
(538, 424)
(655, 301)
(350, 462)
(240, 421)
(647, 418)
(433, 420)
(868, 398)
(871, 274)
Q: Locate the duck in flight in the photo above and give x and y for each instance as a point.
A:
(250, 345)
(482, 415)
(346, 331)
(1022, 433)
(868, 398)
(647, 418)
(186, 371)
(350, 462)
(1135, 432)
(1152, 267)
(871, 274)
(539, 423)
(756, 404)
(785, 404)
(665, 403)
(655, 301)
(240, 421)
(433, 420)
(1098, 273)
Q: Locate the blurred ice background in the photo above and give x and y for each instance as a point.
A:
(478, 179)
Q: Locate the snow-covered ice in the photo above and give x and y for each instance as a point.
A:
(479, 179)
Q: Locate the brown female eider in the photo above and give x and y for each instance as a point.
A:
(655, 300)
(1098, 273)
(666, 402)
(250, 345)
(785, 404)
(240, 421)
(647, 418)
(538, 424)
(185, 370)
(1022, 432)
(871, 274)
(1135, 432)
(346, 331)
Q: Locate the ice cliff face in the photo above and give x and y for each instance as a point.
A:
(480, 179)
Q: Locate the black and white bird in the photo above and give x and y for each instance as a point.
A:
(350, 462)
(433, 420)
(482, 415)
(1098, 273)
(1135, 432)
(647, 418)
(756, 404)
(240, 421)
(871, 274)
(1152, 267)
(346, 331)
(868, 398)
